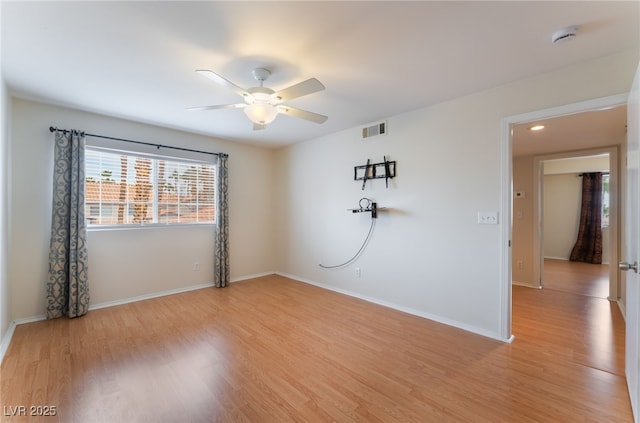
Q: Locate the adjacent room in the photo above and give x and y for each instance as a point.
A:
(315, 211)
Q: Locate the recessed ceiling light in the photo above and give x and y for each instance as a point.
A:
(536, 128)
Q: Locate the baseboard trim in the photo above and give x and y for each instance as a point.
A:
(171, 292)
(31, 319)
(439, 319)
(567, 259)
(557, 258)
(526, 285)
(255, 275)
(6, 340)
(623, 310)
(148, 296)
(143, 297)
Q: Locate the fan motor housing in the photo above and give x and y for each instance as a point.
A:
(261, 74)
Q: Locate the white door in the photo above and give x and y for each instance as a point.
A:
(632, 248)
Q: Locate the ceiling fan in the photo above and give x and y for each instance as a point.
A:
(262, 104)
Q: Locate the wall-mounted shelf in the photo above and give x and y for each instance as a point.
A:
(366, 206)
(385, 170)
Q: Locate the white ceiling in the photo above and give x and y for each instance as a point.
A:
(136, 60)
(578, 131)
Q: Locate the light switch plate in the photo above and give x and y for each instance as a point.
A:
(488, 218)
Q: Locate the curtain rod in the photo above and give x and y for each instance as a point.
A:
(158, 146)
(580, 174)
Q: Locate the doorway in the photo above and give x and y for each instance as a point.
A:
(560, 198)
(513, 196)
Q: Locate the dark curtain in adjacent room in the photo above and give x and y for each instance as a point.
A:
(588, 246)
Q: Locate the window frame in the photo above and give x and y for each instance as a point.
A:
(181, 159)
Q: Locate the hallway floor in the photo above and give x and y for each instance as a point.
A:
(591, 280)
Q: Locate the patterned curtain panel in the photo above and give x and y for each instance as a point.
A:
(588, 247)
(67, 289)
(221, 262)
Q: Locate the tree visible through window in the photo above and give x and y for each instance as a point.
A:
(605, 200)
(123, 188)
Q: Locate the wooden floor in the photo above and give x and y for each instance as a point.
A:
(275, 350)
(576, 277)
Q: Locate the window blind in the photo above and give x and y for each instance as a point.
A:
(129, 188)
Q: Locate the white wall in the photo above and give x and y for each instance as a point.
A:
(5, 309)
(129, 263)
(428, 254)
(523, 222)
(579, 164)
(561, 214)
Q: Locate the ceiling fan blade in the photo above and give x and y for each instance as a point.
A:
(259, 126)
(302, 114)
(223, 81)
(298, 90)
(218, 106)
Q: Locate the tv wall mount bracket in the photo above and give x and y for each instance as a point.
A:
(384, 170)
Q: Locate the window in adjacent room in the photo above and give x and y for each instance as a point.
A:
(125, 188)
(605, 200)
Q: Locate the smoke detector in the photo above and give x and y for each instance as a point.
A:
(565, 34)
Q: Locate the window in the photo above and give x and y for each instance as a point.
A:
(605, 200)
(124, 188)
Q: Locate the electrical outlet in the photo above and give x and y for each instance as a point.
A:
(358, 272)
(196, 266)
(519, 264)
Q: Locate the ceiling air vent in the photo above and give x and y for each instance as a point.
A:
(377, 129)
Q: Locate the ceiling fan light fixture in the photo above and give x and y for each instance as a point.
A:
(262, 104)
(261, 113)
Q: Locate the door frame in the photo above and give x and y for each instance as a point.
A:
(614, 199)
(506, 189)
(613, 152)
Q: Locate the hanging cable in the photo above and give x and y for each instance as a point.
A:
(352, 259)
